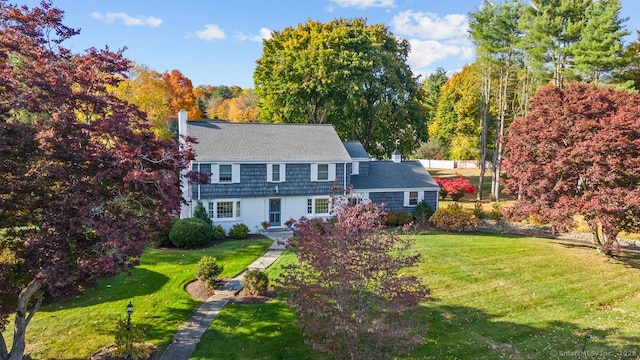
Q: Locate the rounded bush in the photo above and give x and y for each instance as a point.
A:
(239, 231)
(255, 282)
(218, 232)
(190, 233)
(208, 271)
(453, 218)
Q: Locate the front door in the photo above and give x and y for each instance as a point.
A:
(274, 212)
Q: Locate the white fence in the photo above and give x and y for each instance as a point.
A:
(452, 164)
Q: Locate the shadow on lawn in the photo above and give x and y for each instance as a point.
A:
(469, 333)
(140, 282)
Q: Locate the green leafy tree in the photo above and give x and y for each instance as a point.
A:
(456, 122)
(432, 87)
(346, 73)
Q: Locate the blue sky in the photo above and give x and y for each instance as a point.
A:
(216, 42)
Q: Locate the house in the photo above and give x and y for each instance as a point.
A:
(273, 172)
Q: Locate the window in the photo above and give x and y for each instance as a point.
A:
(323, 172)
(318, 206)
(227, 209)
(226, 173)
(413, 198)
(276, 172)
(224, 210)
(322, 206)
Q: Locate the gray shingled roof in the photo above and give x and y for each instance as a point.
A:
(259, 142)
(356, 150)
(390, 175)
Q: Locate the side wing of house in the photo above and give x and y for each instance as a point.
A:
(400, 185)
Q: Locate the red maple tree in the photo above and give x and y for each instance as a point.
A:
(84, 182)
(577, 152)
(455, 187)
(347, 288)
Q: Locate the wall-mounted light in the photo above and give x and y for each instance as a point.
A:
(277, 189)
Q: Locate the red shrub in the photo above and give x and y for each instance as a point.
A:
(455, 187)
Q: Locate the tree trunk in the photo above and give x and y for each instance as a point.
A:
(486, 89)
(24, 316)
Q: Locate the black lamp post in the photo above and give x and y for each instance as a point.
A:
(129, 345)
(129, 312)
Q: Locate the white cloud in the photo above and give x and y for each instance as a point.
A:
(265, 34)
(362, 4)
(127, 19)
(425, 53)
(211, 32)
(430, 26)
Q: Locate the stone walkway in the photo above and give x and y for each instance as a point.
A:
(189, 334)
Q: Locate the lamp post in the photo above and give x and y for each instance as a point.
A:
(128, 345)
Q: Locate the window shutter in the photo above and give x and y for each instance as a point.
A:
(269, 172)
(215, 173)
(314, 172)
(355, 168)
(283, 171)
(406, 198)
(420, 196)
(235, 173)
(332, 172)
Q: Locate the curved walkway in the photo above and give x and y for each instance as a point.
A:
(189, 334)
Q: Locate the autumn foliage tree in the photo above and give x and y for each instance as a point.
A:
(455, 187)
(182, 94)
(347, 288)
(577, 152)
(84, 181)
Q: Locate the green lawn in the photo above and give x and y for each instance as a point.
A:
(492, 297)
(76, 328)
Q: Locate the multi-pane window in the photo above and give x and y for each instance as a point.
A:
(227, 209)
(413, 198)
(275, 172)
(322, 206)
(323, 172)
(224, 209)
(318, 206)
(226, 173)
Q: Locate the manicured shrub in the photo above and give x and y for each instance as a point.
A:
(453, 218)
(496, 211)
(398, 218)
(478, 211)
(201, 213)
(455, 187)
(218, 232)
(208, 271)
(162, 240)
(190, 233)
(422, 213)
(239, 231)
(255, 282)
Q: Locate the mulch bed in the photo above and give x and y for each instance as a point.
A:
(106, 353)
(200, 291)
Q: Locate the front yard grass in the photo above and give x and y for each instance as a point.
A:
(76, 328)
(493, 296)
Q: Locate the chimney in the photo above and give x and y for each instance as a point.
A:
(396, 156)
(185, 209)
(182, 122)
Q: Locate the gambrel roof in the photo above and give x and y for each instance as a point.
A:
(261, 142)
